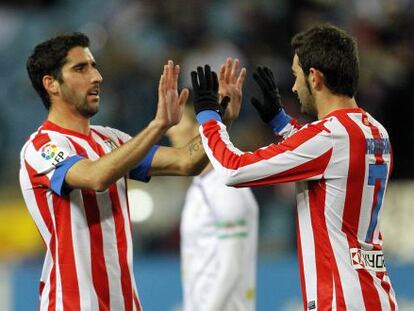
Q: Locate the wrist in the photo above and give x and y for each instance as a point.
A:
(207, 115)
(159, 126)
(279, 121)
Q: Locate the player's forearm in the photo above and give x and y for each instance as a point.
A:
(193, 157)
(100, 174)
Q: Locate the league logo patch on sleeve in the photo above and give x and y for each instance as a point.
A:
(51, 152)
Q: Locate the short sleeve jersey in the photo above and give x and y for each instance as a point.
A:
(87, 234)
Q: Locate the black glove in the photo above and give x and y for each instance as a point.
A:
(205, 89)
(271, 104)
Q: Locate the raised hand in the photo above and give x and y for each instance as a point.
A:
(205, 89)
(170, 103)
(231, 81)
(271, 104)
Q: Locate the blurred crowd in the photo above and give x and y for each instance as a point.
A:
(131, 40)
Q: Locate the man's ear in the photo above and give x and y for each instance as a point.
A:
(316, 78)
(50, 84)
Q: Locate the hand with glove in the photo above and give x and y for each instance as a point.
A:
(205, 91)
(271, 104)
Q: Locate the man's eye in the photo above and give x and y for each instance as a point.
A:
(79, 68)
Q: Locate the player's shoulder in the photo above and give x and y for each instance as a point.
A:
(42, 137)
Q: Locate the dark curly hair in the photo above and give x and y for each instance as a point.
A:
(48, 58)
(331, 51)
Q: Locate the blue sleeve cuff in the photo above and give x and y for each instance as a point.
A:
(140, 172)
(280, 121)
(207, 115)
(57, 182)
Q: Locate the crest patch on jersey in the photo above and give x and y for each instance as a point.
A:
(51, 152)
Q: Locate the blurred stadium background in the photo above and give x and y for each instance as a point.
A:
(131, 40)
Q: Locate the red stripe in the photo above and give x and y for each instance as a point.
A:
(66, 255)
(352, 205)
(376, 134)
(127, 204)
(39, 184)
(41, 201)
(102, 136)
(137, 303)
(39, 140)
(323, 251)
(377, 188)
(387, 288)
(300, 262)
(122, 246)
(378, 160)
(304, 171)
(295, 124)
(99, 271)
(52, 291)
(231, 160)
(326, 266)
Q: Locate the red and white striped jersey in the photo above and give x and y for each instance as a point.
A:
(88, 264)
(341, 165)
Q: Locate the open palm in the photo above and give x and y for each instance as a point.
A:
(231, 81)
(170, 102)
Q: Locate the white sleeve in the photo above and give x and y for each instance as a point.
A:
(303, 156)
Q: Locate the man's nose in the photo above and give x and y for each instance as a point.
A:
(97, 77)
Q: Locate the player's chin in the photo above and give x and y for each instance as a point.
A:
(90, 109)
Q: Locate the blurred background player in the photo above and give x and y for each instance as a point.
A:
(73, 177)
(341, 163)
(218, 225)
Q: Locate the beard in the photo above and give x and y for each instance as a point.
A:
(307, 101)
(87, 108)
(308, 106)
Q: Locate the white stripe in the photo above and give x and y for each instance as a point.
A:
(59, 298)
(45, 277)
(335, 199)
(32, 206)
(306, 241)
(110, 250)
(122, 195)
(82, 252)
(265, 168)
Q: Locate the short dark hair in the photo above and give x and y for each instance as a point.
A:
(332, 51)
(49, 57)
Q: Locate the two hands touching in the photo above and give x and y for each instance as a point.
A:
(206, 91)
(222, 94)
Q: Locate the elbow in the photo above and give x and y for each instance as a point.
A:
(100, 186)
(192, 169)
(100, 182)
